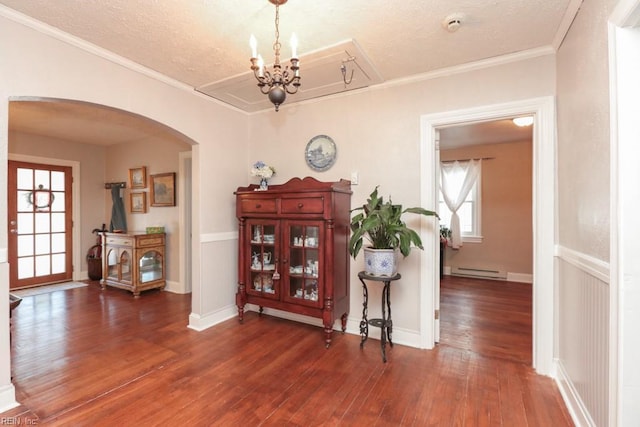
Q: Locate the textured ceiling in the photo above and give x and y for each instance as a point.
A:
(203, 41)
(199, 42)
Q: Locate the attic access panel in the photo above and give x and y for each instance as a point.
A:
(320, 73)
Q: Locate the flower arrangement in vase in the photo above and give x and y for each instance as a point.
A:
(264, 172)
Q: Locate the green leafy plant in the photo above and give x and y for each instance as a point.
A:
(445, 234)
(380, 222)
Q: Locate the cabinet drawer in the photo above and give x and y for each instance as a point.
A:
(150, 240)
(258, 205)
(309, 205)
(122, 241)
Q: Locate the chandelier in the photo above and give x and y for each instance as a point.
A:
(278, 82)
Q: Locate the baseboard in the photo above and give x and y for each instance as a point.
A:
(511, 277)
(200, 323)
(578, 411)
(174, 287)
(400, 336)
(519, 277)
(7, 398)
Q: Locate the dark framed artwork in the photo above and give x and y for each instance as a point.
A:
(138, 177)
(163, 189)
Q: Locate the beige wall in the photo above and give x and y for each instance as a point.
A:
(158, 156)
(507, 243)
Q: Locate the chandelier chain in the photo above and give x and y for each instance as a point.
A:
(276, 44)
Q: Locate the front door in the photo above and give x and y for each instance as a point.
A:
(40, 224)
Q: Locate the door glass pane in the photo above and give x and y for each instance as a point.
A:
(25, 245)
(58, 202)
(57, 222)
(25, 179)
(57, 181)
(42, 178)
(125, 266)
(24, 205)
(25, 268)
(57, 242)
(43, 223)
(42, 200)
(43, 265)
(58, 263)
(25, 223)
(112, 264)
(43, 245)
(150, 266)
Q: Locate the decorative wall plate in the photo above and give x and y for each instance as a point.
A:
(320, 153)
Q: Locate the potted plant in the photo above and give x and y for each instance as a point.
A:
(380, 222)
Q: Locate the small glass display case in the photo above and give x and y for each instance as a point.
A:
(134, 261)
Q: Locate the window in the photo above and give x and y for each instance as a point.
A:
(469, 211)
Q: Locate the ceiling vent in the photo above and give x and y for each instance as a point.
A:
(322, 75)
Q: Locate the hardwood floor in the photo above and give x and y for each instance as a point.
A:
(85, 357)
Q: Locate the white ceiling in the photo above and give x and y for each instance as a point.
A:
(201, 42)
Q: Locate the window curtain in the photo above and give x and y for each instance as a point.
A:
(455, 191)
(118, 216)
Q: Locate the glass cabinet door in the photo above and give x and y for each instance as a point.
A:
(112, 264)
(263, 259)
(304, 274)
(125, 266)
(150, 266)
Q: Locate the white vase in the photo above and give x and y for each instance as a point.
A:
(264, 184)
(380, 262)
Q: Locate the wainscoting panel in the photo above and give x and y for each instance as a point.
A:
(214, 301)
(583, 293)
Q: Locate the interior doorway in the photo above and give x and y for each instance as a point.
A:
(496, 250)
(544, 141)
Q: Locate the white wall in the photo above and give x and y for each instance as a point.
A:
(39, 65)
(377, 133)
(584, 219)
(625, 340)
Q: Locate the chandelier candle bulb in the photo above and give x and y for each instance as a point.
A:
(294, 46)
(260, 66)
(254, 46)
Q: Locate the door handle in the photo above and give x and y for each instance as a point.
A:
(13, 231)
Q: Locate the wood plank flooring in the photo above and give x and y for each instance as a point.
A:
(86, 357)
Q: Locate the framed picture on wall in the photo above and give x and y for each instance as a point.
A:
(138, 177)
(163, 189)
(138, 202)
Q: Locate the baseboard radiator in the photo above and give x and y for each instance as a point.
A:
(479, 273)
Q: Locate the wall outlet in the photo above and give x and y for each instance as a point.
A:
(354, 178)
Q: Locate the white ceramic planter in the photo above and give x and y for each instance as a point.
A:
(380, 262)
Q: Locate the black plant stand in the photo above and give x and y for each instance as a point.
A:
(385, 324)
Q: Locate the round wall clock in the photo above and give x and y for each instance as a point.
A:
(320, 153)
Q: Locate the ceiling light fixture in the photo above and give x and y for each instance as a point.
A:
(523, 121)
(277, 83)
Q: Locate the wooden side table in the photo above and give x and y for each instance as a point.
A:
(385, 324)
